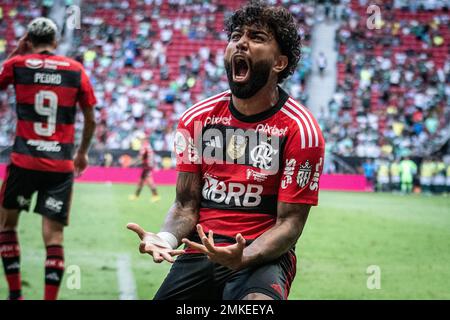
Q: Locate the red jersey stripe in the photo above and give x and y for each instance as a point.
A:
(41, 164)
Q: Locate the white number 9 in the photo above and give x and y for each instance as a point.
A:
(48, 111)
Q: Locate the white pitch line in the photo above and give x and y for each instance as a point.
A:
(125, 278)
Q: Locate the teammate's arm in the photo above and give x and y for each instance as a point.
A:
(81, 156)
(23, 47)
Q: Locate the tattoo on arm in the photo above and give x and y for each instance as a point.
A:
(183, 215)
(88, 129)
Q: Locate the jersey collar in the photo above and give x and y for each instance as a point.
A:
(263, 115)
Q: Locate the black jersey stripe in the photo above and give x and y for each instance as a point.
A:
(27, 76)
(268, 205)
(43, 149)
(64, 115)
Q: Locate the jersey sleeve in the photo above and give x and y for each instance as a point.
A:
(187, 144)
(301, 172)
(6, 74)
(86, 97)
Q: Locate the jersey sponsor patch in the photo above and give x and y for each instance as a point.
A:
(237, 194)
(34, 63)
(304, 174)
(288, 173)
(53, 204)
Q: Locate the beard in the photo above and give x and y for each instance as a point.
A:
(259, 75)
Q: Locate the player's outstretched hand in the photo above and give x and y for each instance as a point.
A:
(228, 256)
(80, 161)
(152, 244)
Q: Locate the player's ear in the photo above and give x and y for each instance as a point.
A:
(281, 63)
(55, 44)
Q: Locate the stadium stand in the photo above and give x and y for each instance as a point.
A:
(392, 98)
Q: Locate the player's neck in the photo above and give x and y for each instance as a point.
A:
(43, 49)
(263, 100)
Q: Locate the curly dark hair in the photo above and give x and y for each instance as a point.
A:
(279, 21)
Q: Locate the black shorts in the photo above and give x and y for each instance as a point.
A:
(145, 173)
(54, 192)
(195, 277)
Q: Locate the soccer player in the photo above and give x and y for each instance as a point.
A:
(146, 159)
(48, 87)
(241, 218)
(408, 169)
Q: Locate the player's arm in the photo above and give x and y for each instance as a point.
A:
(87, 102)
(280, 238)
(269, 246)
(183, 215)
(23, 47)
(81, 156)
(179, 223)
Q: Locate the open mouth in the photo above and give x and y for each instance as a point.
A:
(241, 68)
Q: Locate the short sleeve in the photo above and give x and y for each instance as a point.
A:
(301, 173)
(186, 146)
(86, 97)
(6, 73)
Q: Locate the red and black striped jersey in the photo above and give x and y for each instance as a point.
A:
(48, 88)
(147, 157)
(249, 163)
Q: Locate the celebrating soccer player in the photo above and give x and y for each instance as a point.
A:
(48, 88)
(249, 163)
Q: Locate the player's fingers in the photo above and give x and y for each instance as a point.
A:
(167, 256)
(195, 245)
(211, 237)
(142, 247)
(241, 241)
(200, 231)
(157, 257)
(206, 242)
(177, 252)
(136, 228)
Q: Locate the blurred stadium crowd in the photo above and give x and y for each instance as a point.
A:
(151, 59)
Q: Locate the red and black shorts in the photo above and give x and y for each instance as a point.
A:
(54, 192)
(195, 277)
(146, 172)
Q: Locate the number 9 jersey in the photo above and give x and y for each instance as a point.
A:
(48, 88)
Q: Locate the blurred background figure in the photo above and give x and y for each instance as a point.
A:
(407, 171)
(147, 162)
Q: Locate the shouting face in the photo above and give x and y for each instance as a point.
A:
(252, 58)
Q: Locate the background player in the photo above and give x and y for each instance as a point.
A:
(48, 87)
(257, 214)
(147, 162)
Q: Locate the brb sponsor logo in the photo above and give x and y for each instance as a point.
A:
(220, 192)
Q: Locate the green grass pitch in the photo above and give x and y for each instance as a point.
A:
(407, 237)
